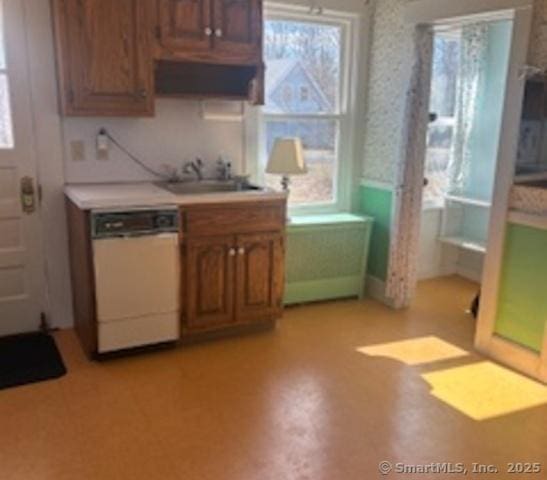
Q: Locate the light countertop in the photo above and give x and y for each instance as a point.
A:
(147, 194)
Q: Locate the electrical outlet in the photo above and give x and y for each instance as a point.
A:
(77, 149)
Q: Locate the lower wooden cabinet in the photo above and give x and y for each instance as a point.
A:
(232, 263)
(259, 277)
(233, 280)
(209, 280)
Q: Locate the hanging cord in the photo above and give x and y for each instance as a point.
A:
(132, 157)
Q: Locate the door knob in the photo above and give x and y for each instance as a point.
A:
(232, 252)
(208, 31)
(219, 32)
(241, 251)
(28, 195)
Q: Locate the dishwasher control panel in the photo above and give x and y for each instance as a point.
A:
(134, 223)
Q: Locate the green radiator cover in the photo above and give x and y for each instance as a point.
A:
(326, 257)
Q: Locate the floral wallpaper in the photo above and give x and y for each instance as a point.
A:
(538, 43)
(389, 71)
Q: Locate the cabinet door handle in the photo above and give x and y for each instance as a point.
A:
(208, 31)
(143, 93)
(219, 32)
(241, 251)
(232, 252)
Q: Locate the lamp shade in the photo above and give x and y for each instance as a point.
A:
(287, 158)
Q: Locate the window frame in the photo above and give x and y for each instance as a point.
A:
(439, 203)
(352, 64)
(9, 144)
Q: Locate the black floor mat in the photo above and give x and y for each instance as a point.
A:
(28, 359)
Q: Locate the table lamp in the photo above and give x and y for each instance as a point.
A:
(286, 159)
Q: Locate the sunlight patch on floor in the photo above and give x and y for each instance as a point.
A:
(485, 390)
(416, 351)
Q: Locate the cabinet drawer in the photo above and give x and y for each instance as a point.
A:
(234, 219)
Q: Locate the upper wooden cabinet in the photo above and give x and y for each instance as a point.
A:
(115, 56)
(182, 28)
(104, 56)
(212, 31)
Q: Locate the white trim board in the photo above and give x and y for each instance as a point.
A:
(443, 11)
(505, 173)
(528, 220)
(328, 6)
(377, 184)
(518, 357)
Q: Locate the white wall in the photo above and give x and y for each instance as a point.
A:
(437, 259)
(176, 134)
(430, 254)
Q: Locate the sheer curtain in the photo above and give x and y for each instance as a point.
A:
(401, 281)
(474, 45)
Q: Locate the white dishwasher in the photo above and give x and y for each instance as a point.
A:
(137, 277)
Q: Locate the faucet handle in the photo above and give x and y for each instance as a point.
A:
(171, 173)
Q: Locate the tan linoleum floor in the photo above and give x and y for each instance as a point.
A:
(304, 402)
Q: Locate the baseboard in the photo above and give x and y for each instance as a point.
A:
(376, 289)
(469, 273)
(324, 289)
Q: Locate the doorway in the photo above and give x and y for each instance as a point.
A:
(21, 264)
(468, 86)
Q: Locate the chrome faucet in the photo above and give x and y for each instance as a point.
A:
(195, 167)
(224, 170)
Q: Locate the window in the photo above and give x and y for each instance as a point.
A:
(6, 128)
(307, 55)
(444, 87)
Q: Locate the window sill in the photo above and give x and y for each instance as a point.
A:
(328, 220)
(429, 207)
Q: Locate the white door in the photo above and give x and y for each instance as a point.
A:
(21, 267)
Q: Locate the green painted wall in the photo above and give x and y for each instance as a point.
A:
(522, 308)
(376, 202)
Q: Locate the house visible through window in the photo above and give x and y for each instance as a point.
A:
(305, 57)
(287, 94)
(444, 88)
(6, 128)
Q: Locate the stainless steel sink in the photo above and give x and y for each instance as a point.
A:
(207, 186)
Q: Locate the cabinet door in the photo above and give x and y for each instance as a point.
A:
(260, 277)
(210, 278)
(185, 29)
(238, 30)
(105, 57)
